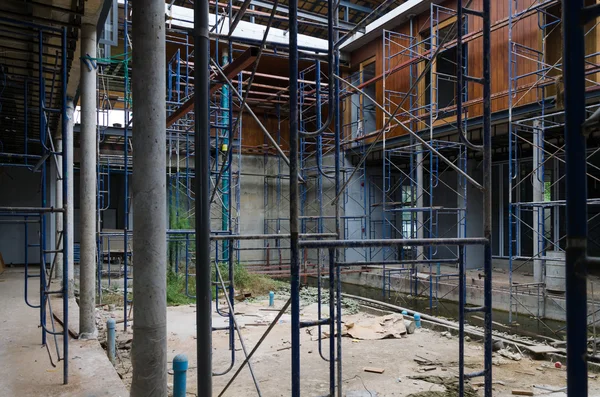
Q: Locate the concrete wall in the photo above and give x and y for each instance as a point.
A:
(474, 254)
(20, 188)
(553, 307)
(445, 220)
(252, 208)
(355, 215)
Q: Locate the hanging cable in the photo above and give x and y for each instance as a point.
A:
(246, 94)
(330, 98)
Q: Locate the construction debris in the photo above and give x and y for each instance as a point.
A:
(508, 354)
(450, 383)
(390, 326)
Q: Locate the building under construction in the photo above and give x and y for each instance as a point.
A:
(195, 192)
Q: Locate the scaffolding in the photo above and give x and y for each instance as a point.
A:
(536, 166)
(321, 202)
(37, 107)
(417, 194)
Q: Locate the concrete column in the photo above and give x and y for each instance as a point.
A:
(58, 203)
(149, 350)
(538, 195)
(87, 181)
(68, 147)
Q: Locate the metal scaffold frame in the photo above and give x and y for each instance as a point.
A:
(410, 174)
(537, 159)
(44, 109)
(114, 118)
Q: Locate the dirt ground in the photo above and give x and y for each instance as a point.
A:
(436, 355)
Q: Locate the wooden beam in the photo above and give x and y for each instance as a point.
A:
(240, 63)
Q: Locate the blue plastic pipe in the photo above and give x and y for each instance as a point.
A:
(110, 339)
(417, 318)
(180, 367)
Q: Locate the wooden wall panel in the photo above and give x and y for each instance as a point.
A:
(525, 32)
(253, 136)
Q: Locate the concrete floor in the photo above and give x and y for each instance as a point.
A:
(26, 369)
(397, 356)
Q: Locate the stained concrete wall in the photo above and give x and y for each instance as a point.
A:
(252, 208)
(554, 308)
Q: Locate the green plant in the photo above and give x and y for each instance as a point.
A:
(176, 294)
(179, 219)
(246, 281)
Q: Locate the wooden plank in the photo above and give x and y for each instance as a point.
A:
(240, 63)
(541, 349)
(57, 311)
(374, 370)
(522, 393)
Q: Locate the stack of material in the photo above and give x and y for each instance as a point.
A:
(390, 326)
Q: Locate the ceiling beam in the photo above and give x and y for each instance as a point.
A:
(301, 14)
(348, 4)
(240, 63)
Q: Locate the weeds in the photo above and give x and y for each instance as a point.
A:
(244, 282)
(176, 294)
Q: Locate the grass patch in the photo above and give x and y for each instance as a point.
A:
(113, 296)
(176, 295)
(244, 282)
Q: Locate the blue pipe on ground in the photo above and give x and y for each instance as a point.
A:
(180, 367)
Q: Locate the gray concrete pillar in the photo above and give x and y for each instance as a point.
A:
(68, 147)
(58, 203)
(87, 181)
(538, 196)
(149, 349)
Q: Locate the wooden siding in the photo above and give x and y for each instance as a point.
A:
(525, 32)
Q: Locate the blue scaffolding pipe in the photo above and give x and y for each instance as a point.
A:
(576, 195)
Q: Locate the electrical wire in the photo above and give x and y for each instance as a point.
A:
(246, 94)
(361, 381)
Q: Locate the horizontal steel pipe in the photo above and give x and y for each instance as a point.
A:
(390, 242)
(30, 209)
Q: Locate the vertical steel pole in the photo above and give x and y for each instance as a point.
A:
(149, 349)
(294, 249)
(58, 216)
(334, 36)
(68, 197)
(125, 174)
(331, 323)
(487, 199)
(461, 320)
(42, 95)
(576, 197)
(66, 135)
(202, 158)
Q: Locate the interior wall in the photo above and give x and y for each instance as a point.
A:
(20, 188)
(252, 208)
